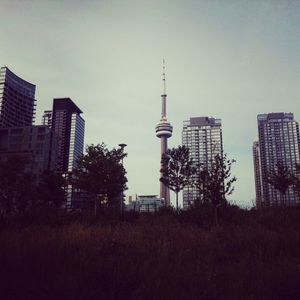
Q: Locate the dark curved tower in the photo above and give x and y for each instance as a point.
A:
(17, 100)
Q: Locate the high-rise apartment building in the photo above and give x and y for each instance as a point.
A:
(203, 137)
(67, 124)
(69, 127)
(278, 143)
(17, 100)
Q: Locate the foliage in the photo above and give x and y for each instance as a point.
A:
(296, 180)
(177, 169)
(214, 181)
(135, 260)
(51, 189)
(21, 192)
(16, 185)
(281, 179)
(100, 172)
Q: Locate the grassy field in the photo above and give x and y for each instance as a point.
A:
(250, 255)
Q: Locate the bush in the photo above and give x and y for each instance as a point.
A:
(250, 255)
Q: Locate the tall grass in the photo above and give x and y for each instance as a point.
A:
(251, 255)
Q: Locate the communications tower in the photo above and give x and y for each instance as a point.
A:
(164, 130)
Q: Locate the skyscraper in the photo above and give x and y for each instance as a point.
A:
(163, 131)
(278, 143)
(17, 100)
(203, 137)
(69, 127)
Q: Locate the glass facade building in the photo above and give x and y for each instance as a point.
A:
(69, 127)
(17, 100)
(145, 204)
(203, 137)
(149, 203)
(76, 140)
(278, 143)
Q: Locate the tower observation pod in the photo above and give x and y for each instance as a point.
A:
(164, 130)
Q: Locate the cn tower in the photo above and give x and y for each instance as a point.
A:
(164, 131)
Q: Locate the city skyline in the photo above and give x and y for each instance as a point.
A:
(232, 61)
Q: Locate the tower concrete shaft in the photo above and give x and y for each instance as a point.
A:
(163, 131)
(164, 190)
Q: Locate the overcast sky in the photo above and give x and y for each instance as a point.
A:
(225, 59)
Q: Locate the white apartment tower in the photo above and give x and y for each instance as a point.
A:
(203, 137)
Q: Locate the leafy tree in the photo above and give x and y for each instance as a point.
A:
(17, 187)
(280, 178)
(214, 181)
(100, 172)
(202, 184)
(51, 189)
(177, 169)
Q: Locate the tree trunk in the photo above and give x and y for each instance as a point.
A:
(282, 200)
(177, 201)
(95, 208)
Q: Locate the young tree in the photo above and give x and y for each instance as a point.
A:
(100, 172)
(280, 178)
(214, 181)
(296, 180)
(202, 184)
(177, 169)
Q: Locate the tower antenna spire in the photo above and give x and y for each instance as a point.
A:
(164, 77)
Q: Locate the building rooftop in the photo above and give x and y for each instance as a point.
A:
(18, 78)
(203, 121)
(65, 103)
(274, 116)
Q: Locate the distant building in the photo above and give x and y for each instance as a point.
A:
(203, 137)
(132, 205)
(36, 143)
(47, 118)
(145, 203)
(150, 203)
(17, 100)
(278, 143)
